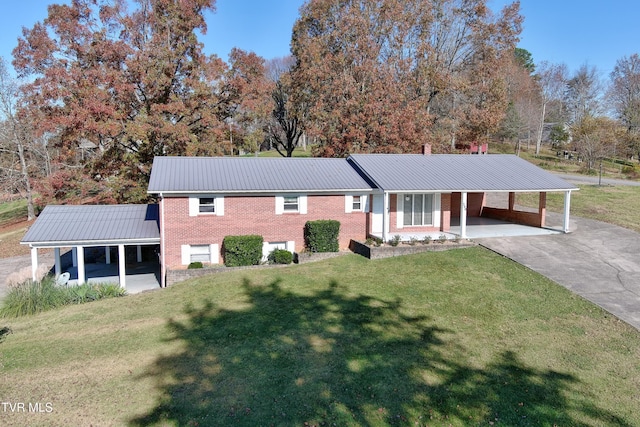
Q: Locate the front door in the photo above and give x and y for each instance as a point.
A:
(378, 211)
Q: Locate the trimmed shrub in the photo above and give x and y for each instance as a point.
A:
(280, 256)
(322, 235)
(195, 264)
(242, 250)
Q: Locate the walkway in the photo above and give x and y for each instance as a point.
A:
(597, 261)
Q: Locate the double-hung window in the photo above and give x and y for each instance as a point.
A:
(291, 204)
(207, 205)
(417, 209)
(201, 253)
(357, 203)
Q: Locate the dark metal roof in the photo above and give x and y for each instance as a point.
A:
(67, 224)
(253, 174)
(456, 172)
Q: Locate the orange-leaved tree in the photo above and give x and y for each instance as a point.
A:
(134, 83)
(388, 76)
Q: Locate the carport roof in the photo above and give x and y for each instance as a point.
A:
(67, 225)
(455, 172)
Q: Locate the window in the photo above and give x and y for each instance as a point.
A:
(418, 209)
(357, 203)
(201, 253)
(206, 205)
(291, 204)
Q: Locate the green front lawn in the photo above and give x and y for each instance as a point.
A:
(459, 338)
(619, 205)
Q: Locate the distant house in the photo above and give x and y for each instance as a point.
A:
(204, 199)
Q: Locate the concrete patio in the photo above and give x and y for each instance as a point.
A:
(140, 277)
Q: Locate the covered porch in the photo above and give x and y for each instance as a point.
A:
(469, 215)
(107, 244)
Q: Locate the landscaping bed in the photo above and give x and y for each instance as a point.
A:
(372, 251)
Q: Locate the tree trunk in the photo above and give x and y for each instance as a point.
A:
(31, 213)
(541, 128)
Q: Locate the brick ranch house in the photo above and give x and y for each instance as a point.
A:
(203, 199)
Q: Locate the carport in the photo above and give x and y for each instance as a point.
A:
(93, 226)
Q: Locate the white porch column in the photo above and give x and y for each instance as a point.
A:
(385, 216)
(74, 256)
(107, 254)
(57, 265)
(567, 208)
(82, 275)
(463, 215)
(34, 263)
(121, 267)
(139, 253)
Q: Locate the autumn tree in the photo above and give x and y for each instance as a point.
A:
(250, 106)
(389, 76)
(583, 94)
(134, 82)
(289, 113)
(17, 144)
(522, 112)
(595, 138)
(624, 96)
(552, 83)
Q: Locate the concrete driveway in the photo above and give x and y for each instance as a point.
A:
(598, 261)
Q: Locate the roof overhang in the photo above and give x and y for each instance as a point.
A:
(92, 243)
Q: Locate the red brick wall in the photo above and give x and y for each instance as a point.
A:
(475, 203)
(253, 215)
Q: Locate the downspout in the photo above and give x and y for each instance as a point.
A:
(163, 271)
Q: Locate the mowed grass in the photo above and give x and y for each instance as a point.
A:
(458, 338)
(619, 205)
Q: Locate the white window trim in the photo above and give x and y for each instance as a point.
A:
(435, 214)
(302, 204)
(194, 205)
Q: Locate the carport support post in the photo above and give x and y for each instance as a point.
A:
(385, 216)
(139, 253)
(463, 215)
(81, 272)
(107, 254)
(121, 267)
(34, 263)
(567, 208)
(57, 265)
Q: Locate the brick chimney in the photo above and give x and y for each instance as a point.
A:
(426, 149)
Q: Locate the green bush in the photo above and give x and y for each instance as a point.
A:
(33, 297)
(242, 250)
(195, 264)
(280, 256)
(395, 240)
(322, 235)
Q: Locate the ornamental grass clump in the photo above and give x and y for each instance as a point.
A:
(31, 297)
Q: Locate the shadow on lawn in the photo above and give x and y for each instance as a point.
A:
(334, 359)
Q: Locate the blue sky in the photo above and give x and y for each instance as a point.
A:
(574, 32)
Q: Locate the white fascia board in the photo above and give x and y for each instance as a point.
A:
(93, 243)
(264, 192)
(555, 190)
